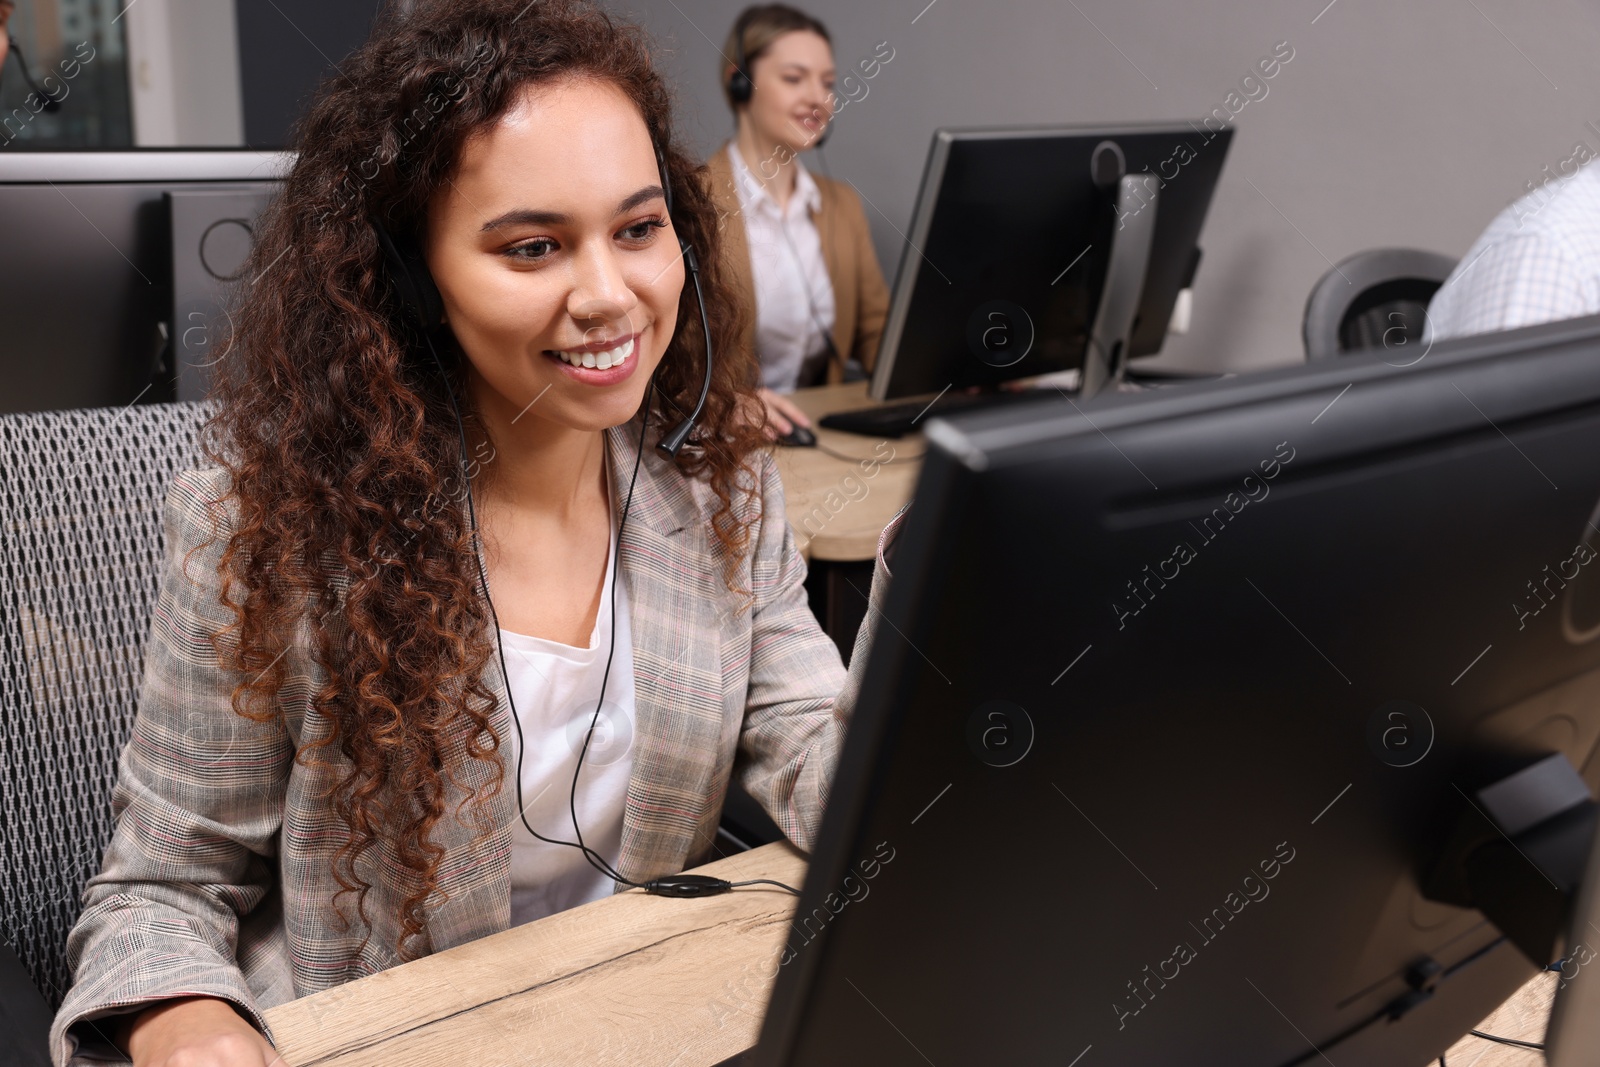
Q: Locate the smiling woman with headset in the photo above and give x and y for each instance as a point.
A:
(797, 246)
(488, 349)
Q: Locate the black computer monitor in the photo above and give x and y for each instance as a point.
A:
(213, 233)
(97, 306)
(1039, 250)
(1183, 727)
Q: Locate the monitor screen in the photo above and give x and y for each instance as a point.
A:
(1180, 709)
(1002, 274)
(86, 269)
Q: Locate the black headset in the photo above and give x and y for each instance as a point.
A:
(740, 87)
(419, 295)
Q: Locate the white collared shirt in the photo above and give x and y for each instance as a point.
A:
(1538, 261)
(794, 295)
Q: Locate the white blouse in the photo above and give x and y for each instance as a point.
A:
(554, 687)
(794, 295)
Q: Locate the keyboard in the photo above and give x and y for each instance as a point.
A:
(897, 420)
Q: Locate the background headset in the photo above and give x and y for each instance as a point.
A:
(419, 296)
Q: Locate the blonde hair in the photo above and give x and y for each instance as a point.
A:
(759, 26)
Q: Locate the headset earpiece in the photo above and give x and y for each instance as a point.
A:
(740, 87)
(413, 282)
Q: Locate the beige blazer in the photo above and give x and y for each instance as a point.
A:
(860, 295)
(218, 878)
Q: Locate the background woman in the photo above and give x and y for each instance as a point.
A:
(345, 754)
(797, 246)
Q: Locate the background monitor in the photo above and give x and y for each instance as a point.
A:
(1015, 234)
(1186, 728)
(87, 267)
(213, 231)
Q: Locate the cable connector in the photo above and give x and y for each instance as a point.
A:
(687, 885)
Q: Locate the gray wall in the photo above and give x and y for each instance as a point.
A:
(1398, 122)
(208, 106)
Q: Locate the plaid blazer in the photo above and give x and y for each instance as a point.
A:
(218, 878)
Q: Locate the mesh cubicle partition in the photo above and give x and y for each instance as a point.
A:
(81, 547)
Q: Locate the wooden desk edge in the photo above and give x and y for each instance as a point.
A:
(580, 939)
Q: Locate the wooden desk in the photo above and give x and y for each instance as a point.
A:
(1523, 1018)
(838, 508)
(633, 979)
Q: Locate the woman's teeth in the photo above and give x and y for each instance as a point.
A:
(611, 357)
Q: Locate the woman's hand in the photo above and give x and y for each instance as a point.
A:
(195, 1032)
(782, 415)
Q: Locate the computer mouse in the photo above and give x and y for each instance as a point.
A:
(799, 437)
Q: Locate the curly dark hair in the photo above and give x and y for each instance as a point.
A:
(338, 435)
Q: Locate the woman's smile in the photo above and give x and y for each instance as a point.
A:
(604, 362)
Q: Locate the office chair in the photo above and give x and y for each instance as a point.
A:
(1373, 299)
(81, 494)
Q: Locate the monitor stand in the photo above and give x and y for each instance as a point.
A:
(1107, 356)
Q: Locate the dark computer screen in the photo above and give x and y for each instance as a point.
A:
(1174, 720)
(1002, 273)
(87, 270)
